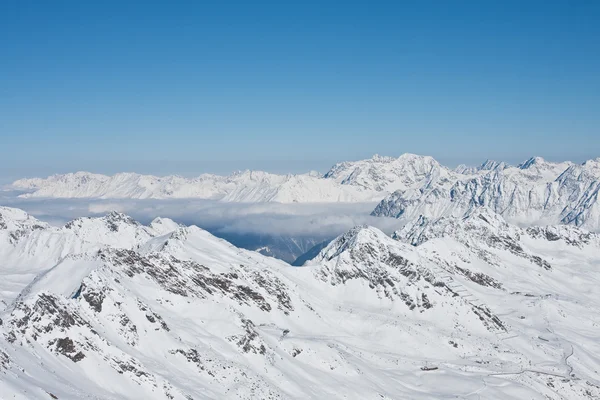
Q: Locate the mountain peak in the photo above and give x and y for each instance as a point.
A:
(531, 162)
(163, 226)
(465, 169)
(15, 219)
(118, 217)
(381, 159)
(489, 165)
(350, 240)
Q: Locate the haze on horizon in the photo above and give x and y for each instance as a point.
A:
(192, 88)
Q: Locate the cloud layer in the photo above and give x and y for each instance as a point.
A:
(295, 220)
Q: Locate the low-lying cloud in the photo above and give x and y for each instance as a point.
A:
(272, 219)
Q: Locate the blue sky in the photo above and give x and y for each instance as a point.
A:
(191, 87)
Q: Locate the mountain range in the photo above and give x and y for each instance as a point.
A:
(365, 180)
(534, 192)
(467, 306)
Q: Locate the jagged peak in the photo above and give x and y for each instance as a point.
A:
(531, 162)
(113, 220)
(353, 237)
(540, 162)
(117, 217)
(465, 169)
(489, 165)
(485, 214)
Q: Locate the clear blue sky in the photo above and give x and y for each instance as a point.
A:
(189, 87)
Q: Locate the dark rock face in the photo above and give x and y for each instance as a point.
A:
(275, 288)
(153, 317)
(4, 360)
(131, 366)
(385, 271)
(479, 277)
(66, 347)
(490, 320)
(93, 297)
(249, 341)
(114, 219)
(47, 313)
(425, 301)
(191, 355)
(187, 278)
(511, 244)
(571, 236)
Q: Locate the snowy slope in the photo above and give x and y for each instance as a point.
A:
(546, 281)
(535, 192)
(145, 312)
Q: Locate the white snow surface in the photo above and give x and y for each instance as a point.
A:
(471, 307)
(536, 192)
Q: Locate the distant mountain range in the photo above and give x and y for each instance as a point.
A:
(357, 181)
(533, 192)
(536, 192)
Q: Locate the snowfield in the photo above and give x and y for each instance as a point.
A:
(463, 306)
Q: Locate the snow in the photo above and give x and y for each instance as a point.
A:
(107, 308)
(536, 192)
(532, 193)
(355, 181)
(386, 174)
(245, 186)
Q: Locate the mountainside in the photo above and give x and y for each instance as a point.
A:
(535, 192)
(106, 308)
(387, 174)
(487, 165)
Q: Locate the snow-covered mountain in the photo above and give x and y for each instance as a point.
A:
(534, 192)
(247, 186)
(107, 308)
(387, 174)
(356, 181)
(487, 165)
